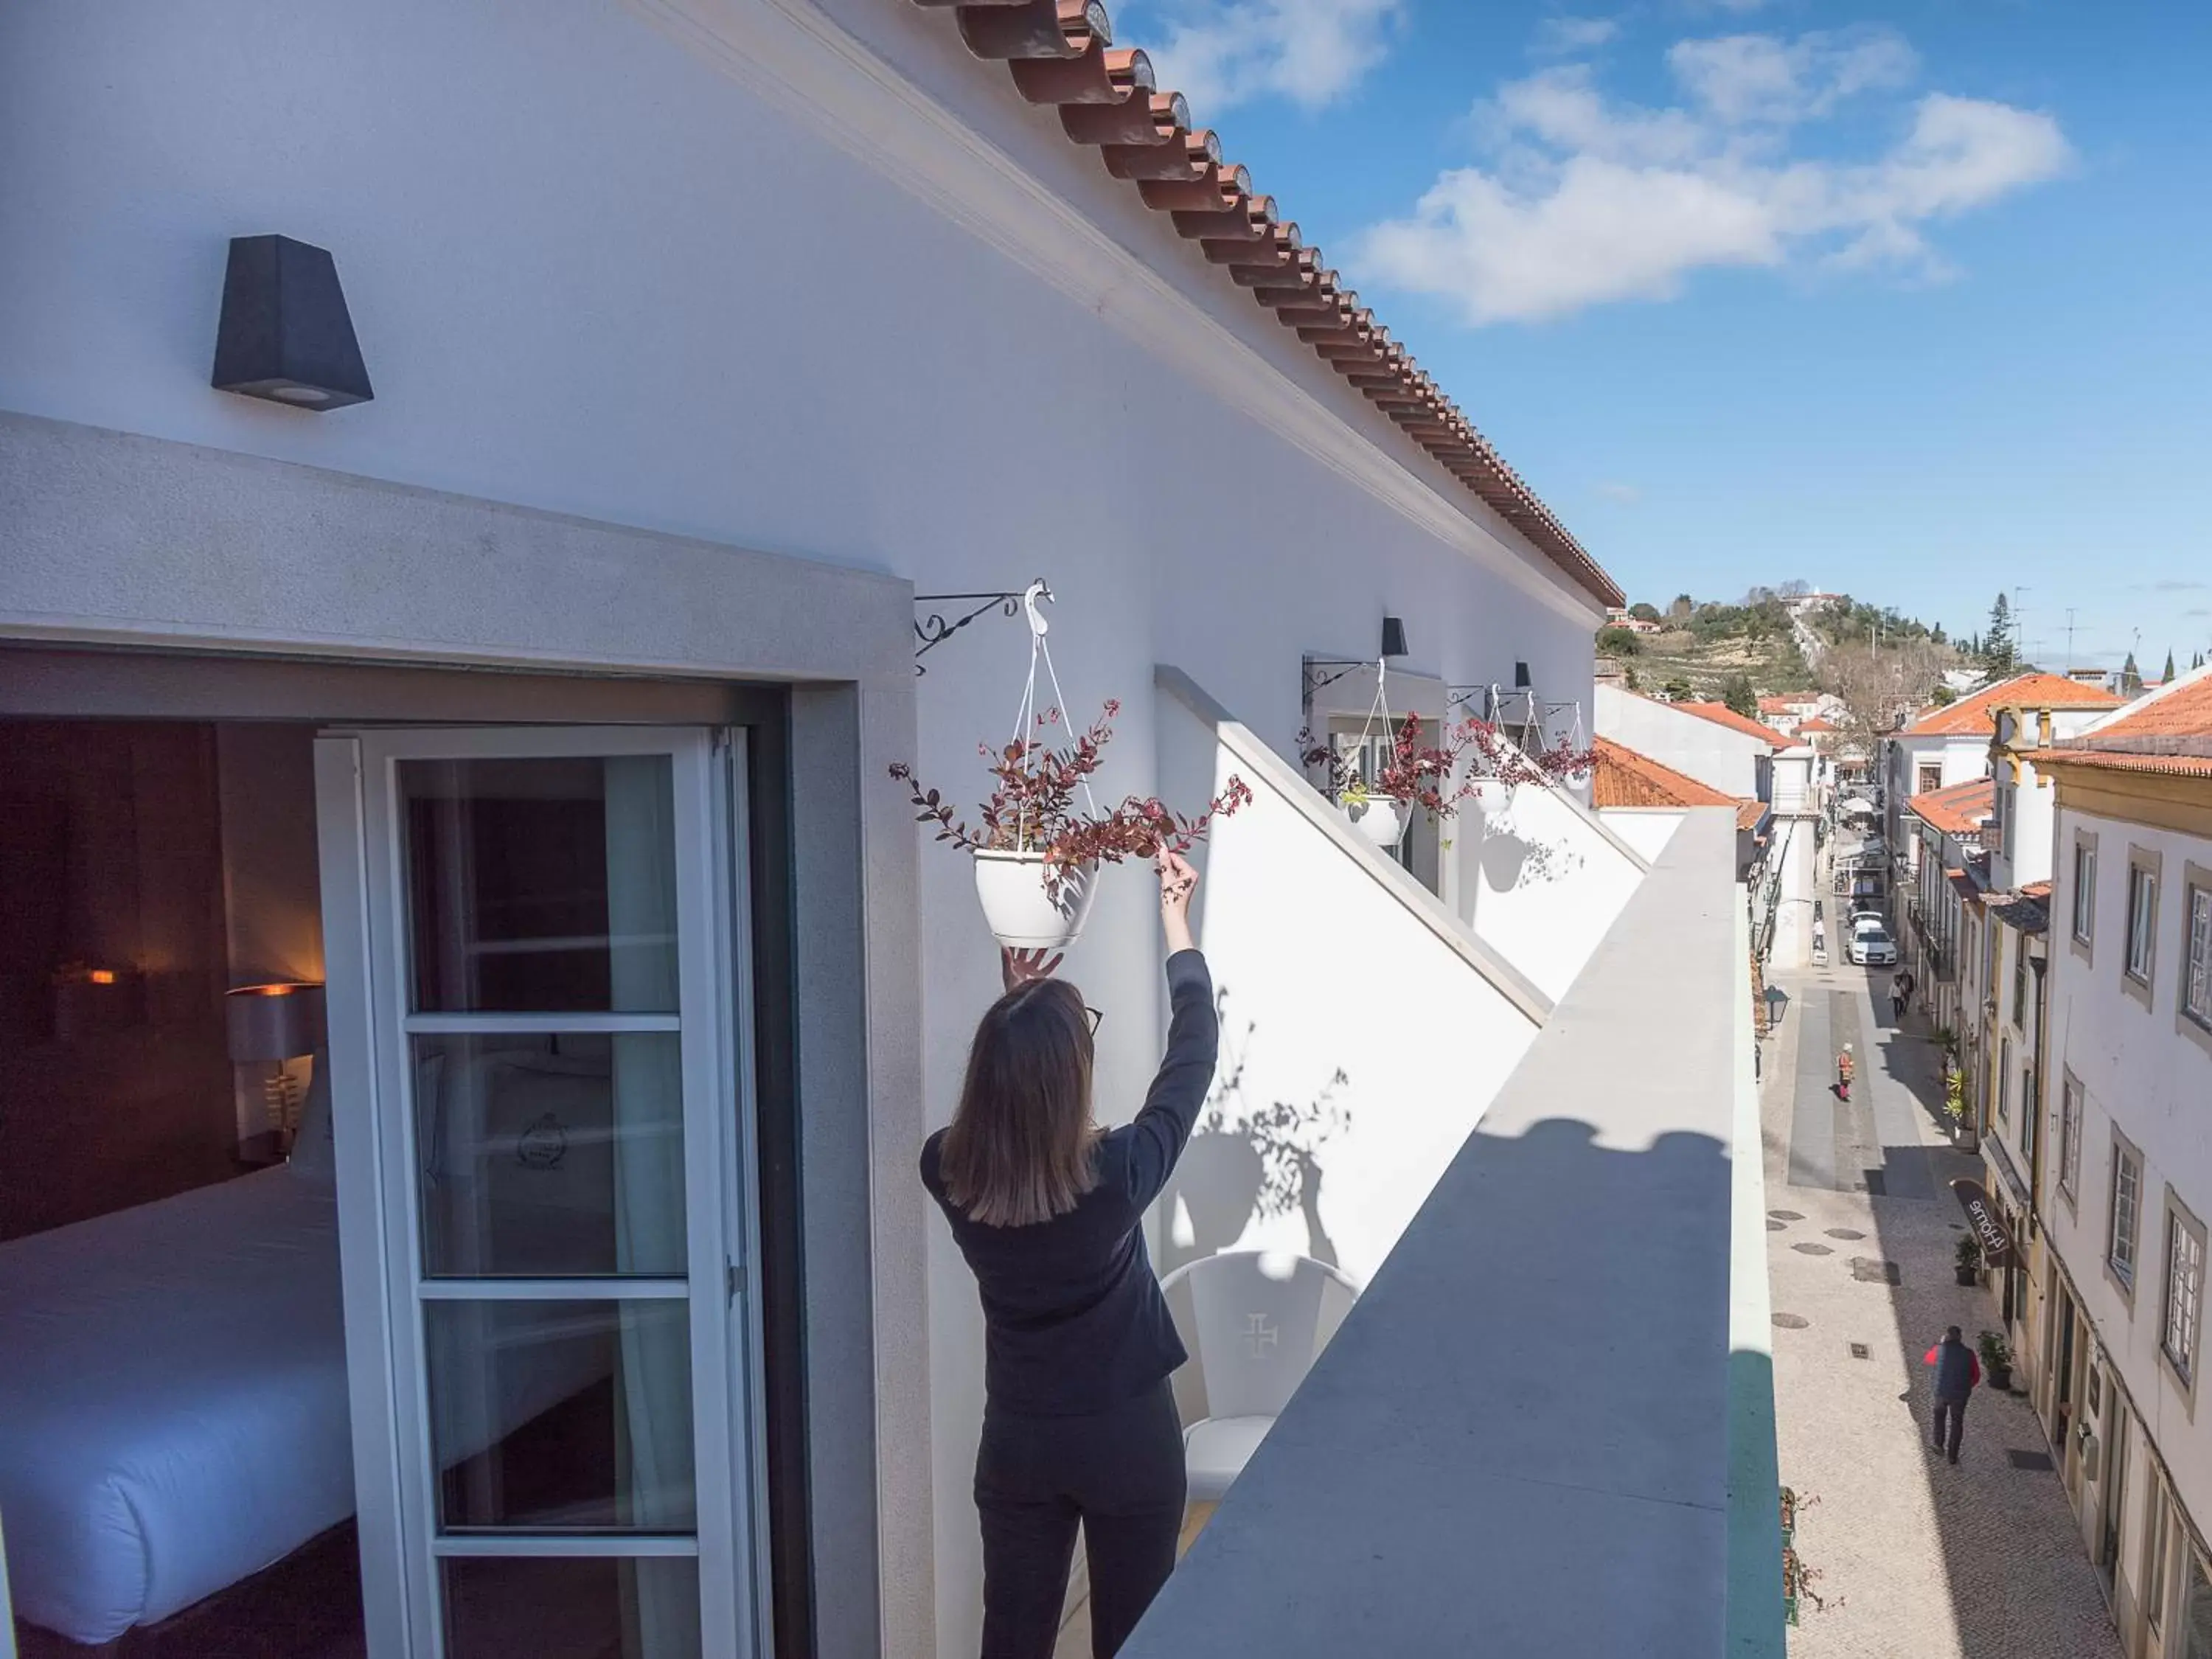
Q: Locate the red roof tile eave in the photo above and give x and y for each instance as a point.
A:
(1062, 53)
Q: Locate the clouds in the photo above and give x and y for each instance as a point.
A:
(1221, 52)
(1627, 494)
(1556, 37)
(1583, 199)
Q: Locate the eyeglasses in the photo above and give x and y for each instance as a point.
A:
(1094, 1017)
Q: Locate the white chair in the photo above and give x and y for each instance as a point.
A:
(1257, 1321)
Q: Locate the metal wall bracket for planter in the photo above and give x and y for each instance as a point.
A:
(932, 631)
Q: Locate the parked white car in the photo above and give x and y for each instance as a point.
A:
(1871, 946)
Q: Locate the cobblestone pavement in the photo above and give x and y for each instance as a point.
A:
(1917, 1559)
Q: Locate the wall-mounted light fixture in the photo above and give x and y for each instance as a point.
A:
(285, 335)
(1394, 637)
(1521, 676)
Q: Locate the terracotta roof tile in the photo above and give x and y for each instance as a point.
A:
(1062, 51)
(1816, 724)
(1959, 810)
(2183, 710)
(2177, 766)
(1624, 777)
(1974, 715)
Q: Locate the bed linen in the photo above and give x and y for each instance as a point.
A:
(173, 1400)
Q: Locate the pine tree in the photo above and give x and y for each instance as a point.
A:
(2169, 665)
(2131, 676)
(1999, 655)
(1737, 695)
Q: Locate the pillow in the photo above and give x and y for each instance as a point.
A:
(313, 1149)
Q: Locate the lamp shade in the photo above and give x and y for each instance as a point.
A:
(274, 1022)
(285, 334)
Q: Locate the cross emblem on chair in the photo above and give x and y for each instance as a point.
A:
(1260, 1336)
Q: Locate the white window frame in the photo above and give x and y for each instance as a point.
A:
(2069, 1138)
(2181, 1320)
(2139, 948)
(364, 906)
(2195, 995)
(2084, 894)
(2123, 1213)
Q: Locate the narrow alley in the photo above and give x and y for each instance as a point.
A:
(1911, 1557)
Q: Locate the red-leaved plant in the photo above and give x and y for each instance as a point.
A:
(1426, 775)
(1032, 807)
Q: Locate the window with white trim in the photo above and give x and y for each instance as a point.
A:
(1930, 779)
(2004, 1079)
(2126, 1210)
(2196, 982)
(2185, 1291)
(2031, 1115)
(2085, 889)
(2019, 981)
(2142, 921)
(2069, 1138)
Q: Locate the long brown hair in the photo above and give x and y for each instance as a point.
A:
(1022, 1148)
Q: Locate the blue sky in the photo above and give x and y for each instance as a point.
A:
(1909, 300)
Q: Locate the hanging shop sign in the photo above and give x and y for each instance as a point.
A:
(1982, 1217)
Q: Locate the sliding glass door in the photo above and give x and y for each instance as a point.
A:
(549, 1357)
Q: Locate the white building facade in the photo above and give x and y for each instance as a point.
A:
(2128, 1165)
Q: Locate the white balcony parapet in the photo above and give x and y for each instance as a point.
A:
(1540, 1429)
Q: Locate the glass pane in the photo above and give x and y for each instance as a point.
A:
(575, 1608)
(542, 886)
(562, 1416)
(553, 1157)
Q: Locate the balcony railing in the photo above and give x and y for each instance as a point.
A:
(1548, 1426)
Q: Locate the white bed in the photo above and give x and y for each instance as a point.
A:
(174, 1405)
(173, 1400)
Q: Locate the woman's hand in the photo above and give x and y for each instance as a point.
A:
(1020, 966)
(1178, 881)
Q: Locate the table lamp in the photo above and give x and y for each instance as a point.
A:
(274, 1025)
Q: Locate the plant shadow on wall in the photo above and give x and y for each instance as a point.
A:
(1508, 855)
(1251, 1159)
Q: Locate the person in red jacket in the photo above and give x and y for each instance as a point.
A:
(1843, 1068)
(1957, 1374)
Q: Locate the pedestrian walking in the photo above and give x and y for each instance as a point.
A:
(1901, 993)
(1957, 1374)
(1843, 1068)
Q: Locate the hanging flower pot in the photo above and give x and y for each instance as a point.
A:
(1377, 817)
(1025, 908)
(1472, 758)
(1038, 855)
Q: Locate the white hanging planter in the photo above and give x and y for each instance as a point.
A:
(1020, 912)
(1382, 820)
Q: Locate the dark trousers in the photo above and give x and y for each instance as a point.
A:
(1118, 1472)
(1956, 1411)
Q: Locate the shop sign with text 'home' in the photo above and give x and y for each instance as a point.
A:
(1982, 1217)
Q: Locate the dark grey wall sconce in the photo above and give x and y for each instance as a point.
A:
(284, 334)
(1394, 637)
(1521, 676)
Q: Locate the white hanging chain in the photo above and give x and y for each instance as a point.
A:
(1025, 721)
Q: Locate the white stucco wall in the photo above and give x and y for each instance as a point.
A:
(1646, 829)
(1716, 755)
(596, 272)
(2145, 1075)
(1538, 879)
(1358, 1041)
